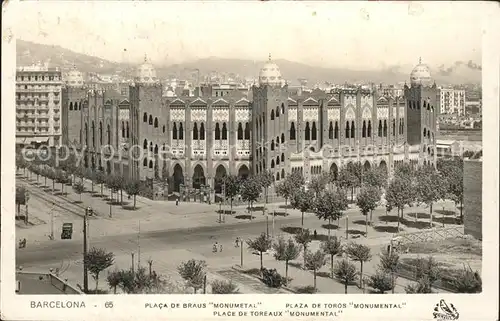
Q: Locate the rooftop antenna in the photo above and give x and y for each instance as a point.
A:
(269, 56)
(419, 60)
(145, 58)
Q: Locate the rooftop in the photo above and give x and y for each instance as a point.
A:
(42, 283)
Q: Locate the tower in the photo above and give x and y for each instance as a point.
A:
(422, 107)
(73, 98)
(269, 122)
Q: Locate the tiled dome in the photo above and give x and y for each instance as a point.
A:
(270, 74)
(421, 75)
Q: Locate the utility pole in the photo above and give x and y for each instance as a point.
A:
(133, 263)
(88, 211)
(224, 214)
(274, 214)
(347, 227)
(241, 253)
(139, 247)
(267, 225)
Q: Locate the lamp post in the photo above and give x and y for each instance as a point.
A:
(27, 198)
(88, 211)
(241, 253)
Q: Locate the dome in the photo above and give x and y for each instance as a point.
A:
(270, 74)
(421, 75)
(146, 73)
(74, 78)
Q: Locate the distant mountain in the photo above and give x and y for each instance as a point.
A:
(29, 53)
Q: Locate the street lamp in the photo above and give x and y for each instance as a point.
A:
(347, 227)
(241, 253)
(88, 212)
(26, 199)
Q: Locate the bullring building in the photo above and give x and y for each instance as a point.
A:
(195, 140)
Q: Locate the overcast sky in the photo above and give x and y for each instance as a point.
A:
(359, 35)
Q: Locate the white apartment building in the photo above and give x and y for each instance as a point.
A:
(38, 105)
(452, 101)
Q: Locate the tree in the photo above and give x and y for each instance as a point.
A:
(250, 191)
(380, 281)
(20, 198)
(286, 251)
(193, 271)
(261, 244)
(114, 183)
(79, 188)
(139, 282)
(399, 194)
(98, 260)
(304, 238)
(114, 279)
(303, 201)
(233, 184)
(360, 253)
(266, 180)
(314, 261)
(61, 177)
(330, 205)
(318, 183)
(332, 248)
(347, 180)
(345, 272)
(427, 269)
(421, 286)
(133, 188)
(467, 281)
(285, 189)
(431, 187)
(367, 201)
(389, 262)
(100, 178)
(375, 176)
(223, 287)
(92, 175)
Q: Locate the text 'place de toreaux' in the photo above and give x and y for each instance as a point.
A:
(225, 183)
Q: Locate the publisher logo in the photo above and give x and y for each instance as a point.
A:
(443, 311)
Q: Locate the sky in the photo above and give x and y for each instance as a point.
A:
(357, 35)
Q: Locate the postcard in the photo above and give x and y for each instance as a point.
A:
(253, 160)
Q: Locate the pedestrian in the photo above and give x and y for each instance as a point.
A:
(214, 247)
(177, 201)
(237, 242)
(220, 247)
(315, 235)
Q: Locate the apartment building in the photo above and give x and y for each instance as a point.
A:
(452, 101)
(38, 105)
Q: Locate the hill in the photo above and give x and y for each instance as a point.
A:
(29, 53)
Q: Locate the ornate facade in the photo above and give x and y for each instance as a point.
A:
(194, 140)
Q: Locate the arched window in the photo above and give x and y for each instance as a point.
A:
(109, 134)
(224, 131)
(202, 131)
(240, 131)
(282, 138)
(100, 132)
(156, 122)
(145, 145)
(128, 132)
(278, 176)
(330, 131)
(163, 129)
(282, 158)
(347, 129)
(353, 130)
(363, 130)
(93, 134)
(385, 128)
(145, 118)
(272, 114)
(272, 144)
(150, 120)
(277, 111)
(336, 130)
(393, 127)
(150, 164)
(424, 132)
(308, 132)
(181, 131)
(277, 141)
(277, 160)
(150, 146)
(314, 131)
(79, 106)
(195, 131)
(247, 131)
(174, 131)
(283, 173)
(156, 150)
(123, 129)
(217, 131)
(282, 108)
(292, 131)
(272, 163)
(71, 106)
(145, 162)
(86, 133)
(369, 133)
(380, 128)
